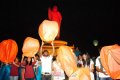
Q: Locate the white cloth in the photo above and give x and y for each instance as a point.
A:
(46, 63)
(79, 62)
(58, 73)
(98, 64)
(38, 63)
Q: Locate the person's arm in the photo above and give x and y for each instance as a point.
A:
(22, 58)
(52, 43)
(92, 68)
(40, 54)
(16, 64)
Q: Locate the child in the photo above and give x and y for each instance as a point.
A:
(38, 67)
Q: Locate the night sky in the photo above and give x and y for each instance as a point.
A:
(83, 21)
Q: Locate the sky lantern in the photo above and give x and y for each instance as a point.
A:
(66, 57)
(95, 42)
(8, 50)
(30, 47)
(81, 74)
(48, 30)
(110, 58)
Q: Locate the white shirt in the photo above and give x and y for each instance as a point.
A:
(46, 63)
(98, 64)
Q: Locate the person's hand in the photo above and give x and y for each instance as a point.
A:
(42, 43)
(105, 73)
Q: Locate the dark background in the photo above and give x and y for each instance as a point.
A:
(83, 21)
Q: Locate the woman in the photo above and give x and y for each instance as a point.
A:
(79, 61)
(29, 71)
(23, 68)
(58, 73)
(14, 70)
(88, 63)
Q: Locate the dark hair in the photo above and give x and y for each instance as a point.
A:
(36, 55)
(30, 62)
(87, 61)
(45, 51)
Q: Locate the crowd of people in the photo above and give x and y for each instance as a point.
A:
(46, 67)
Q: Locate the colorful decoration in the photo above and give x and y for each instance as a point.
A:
(48, 30)
(30, 47)
(110, 58)
(8, 50)
(55, 15)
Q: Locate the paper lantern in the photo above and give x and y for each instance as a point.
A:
(30, 47)
(81, 74)
(95, 42)
(110, 58)
(48, 30)
(8, 50)
(67, 59)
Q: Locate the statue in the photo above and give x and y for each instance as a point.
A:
(55, 15)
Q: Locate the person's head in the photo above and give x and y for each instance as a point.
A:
(29, 60)
(84, 56)
(45, 53)
(55, 8)
(80, 57)
(37, 56)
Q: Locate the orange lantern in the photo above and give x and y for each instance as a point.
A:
(67, 59)
(81, 74)
(8, 50)
(110, 58)
(30, 47)
(48, 30)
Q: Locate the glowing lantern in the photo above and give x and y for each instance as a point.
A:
(95, 42)
(8, 50)
(81, 74)
(30, 47)
(48, 30)
(110, 58)
(67, 59)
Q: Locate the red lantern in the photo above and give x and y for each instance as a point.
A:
(8, 50)
(30, 47)
(48, 30)
(110, 58)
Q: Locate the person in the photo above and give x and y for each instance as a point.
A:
(46, 62)
(79, 61)
(58, 73)
(14, 69)
(88, 63)
(23, 67)
(102, 74)
(5, 71)
(55, 15)
(29, 71)
(38, 67)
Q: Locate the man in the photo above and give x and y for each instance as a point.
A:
(102, 75)
(46, 63)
